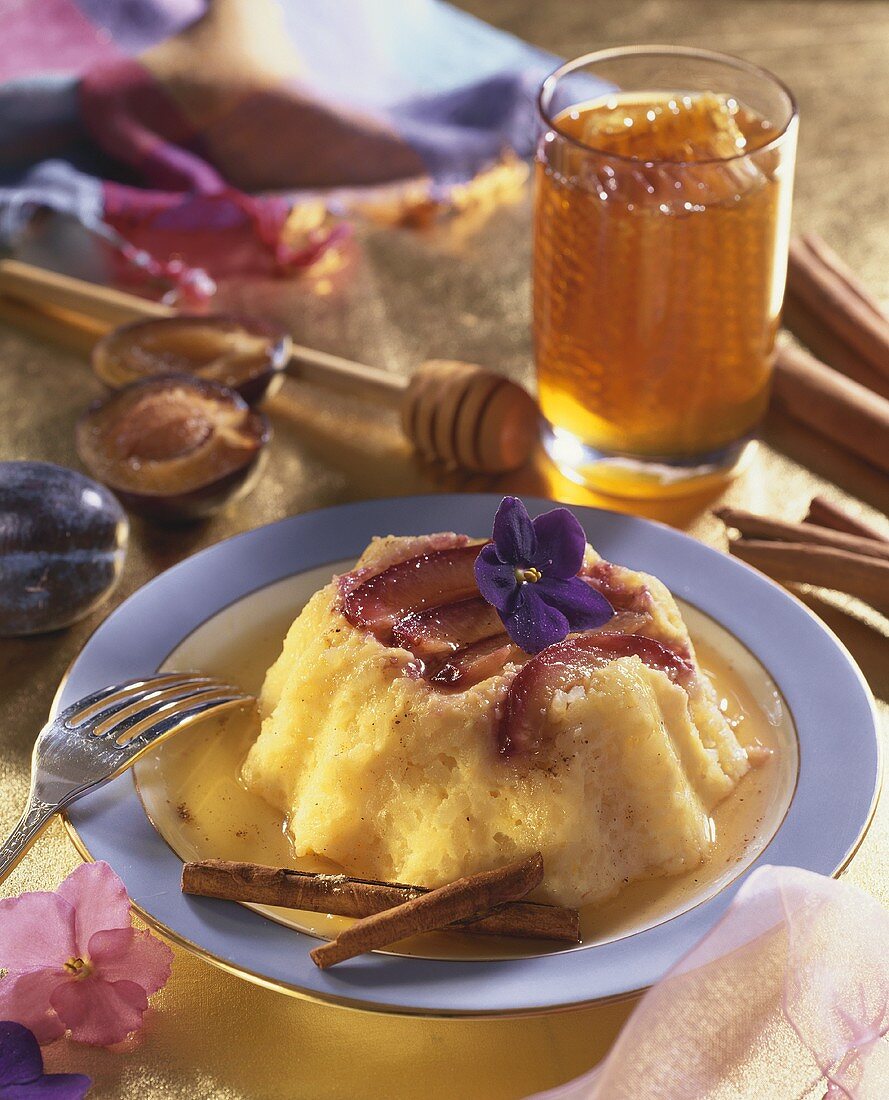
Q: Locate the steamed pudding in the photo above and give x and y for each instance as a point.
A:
(407, 737)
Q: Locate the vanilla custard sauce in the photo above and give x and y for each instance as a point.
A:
(191, 789)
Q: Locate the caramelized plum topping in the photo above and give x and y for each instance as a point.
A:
(471, 664)
(429, 605)
(241, 353)
(626, 622)
(606, 578)
(561, 666)
(174, 448)
(441, 630)
(430, 580)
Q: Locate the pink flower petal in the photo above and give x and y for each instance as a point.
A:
(98, 1012)
(120, 954)
(36, 931)
(25, 998)
(99, 899)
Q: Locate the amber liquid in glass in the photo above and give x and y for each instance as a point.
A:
(658, 286)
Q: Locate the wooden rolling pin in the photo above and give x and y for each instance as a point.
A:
(453, 412)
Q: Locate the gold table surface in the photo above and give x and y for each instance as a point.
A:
(456, 290)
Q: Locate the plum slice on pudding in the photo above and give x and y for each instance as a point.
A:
(444, 629)
(429, 580)
(471, 664)
(560, 667)
(429, 604)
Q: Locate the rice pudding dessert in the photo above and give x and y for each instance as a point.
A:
(407, 736)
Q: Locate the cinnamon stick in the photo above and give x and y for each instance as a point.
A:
(357, 897)
(819, 279)
(825, 513)
(461, 900)
(814, 335)
(764, 527)
(855, 574)
(843, 410)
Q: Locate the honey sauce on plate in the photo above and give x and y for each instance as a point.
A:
(193, 795)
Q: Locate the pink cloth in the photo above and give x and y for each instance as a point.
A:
(791, 986)
(185, 132)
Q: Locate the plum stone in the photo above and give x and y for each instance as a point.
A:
(62, 546)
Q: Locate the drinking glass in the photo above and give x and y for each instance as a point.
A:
(662, 215)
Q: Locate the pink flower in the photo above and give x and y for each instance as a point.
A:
(74, 961)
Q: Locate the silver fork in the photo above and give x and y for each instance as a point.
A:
(100, 736)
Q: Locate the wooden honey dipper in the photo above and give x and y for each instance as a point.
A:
(453, 412)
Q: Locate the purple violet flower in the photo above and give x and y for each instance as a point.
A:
(529, 574)
(21, 1070)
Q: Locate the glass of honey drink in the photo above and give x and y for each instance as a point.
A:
(661, 225)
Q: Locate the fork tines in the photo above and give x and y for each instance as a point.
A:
(122, 712)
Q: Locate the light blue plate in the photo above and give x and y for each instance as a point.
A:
(824, 691)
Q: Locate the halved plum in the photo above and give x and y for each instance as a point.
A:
(560, 667)
(242, 353)
(429, 580)
(174, 448)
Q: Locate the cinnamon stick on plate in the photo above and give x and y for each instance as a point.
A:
(820, 280)
(461, 900)
(824, 513)
(864, 577)
(763, 527)
(845, 411)
(358, 897)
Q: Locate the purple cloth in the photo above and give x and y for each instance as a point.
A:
(338, 95)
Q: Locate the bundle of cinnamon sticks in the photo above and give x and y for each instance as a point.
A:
(824, 297)
(829, 548)
(488, 903)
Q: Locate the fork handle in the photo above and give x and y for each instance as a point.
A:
(34, 820)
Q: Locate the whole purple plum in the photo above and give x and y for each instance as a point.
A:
(62, 546)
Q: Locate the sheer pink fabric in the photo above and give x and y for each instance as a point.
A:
(789, 992)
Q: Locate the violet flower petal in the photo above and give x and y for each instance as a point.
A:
(561, 543)
(538, 612)
(21, 1070)
(582, 606)
(496, 580)
(514, 535)
(534, 625)
(20, 1057)
(51, 1086)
